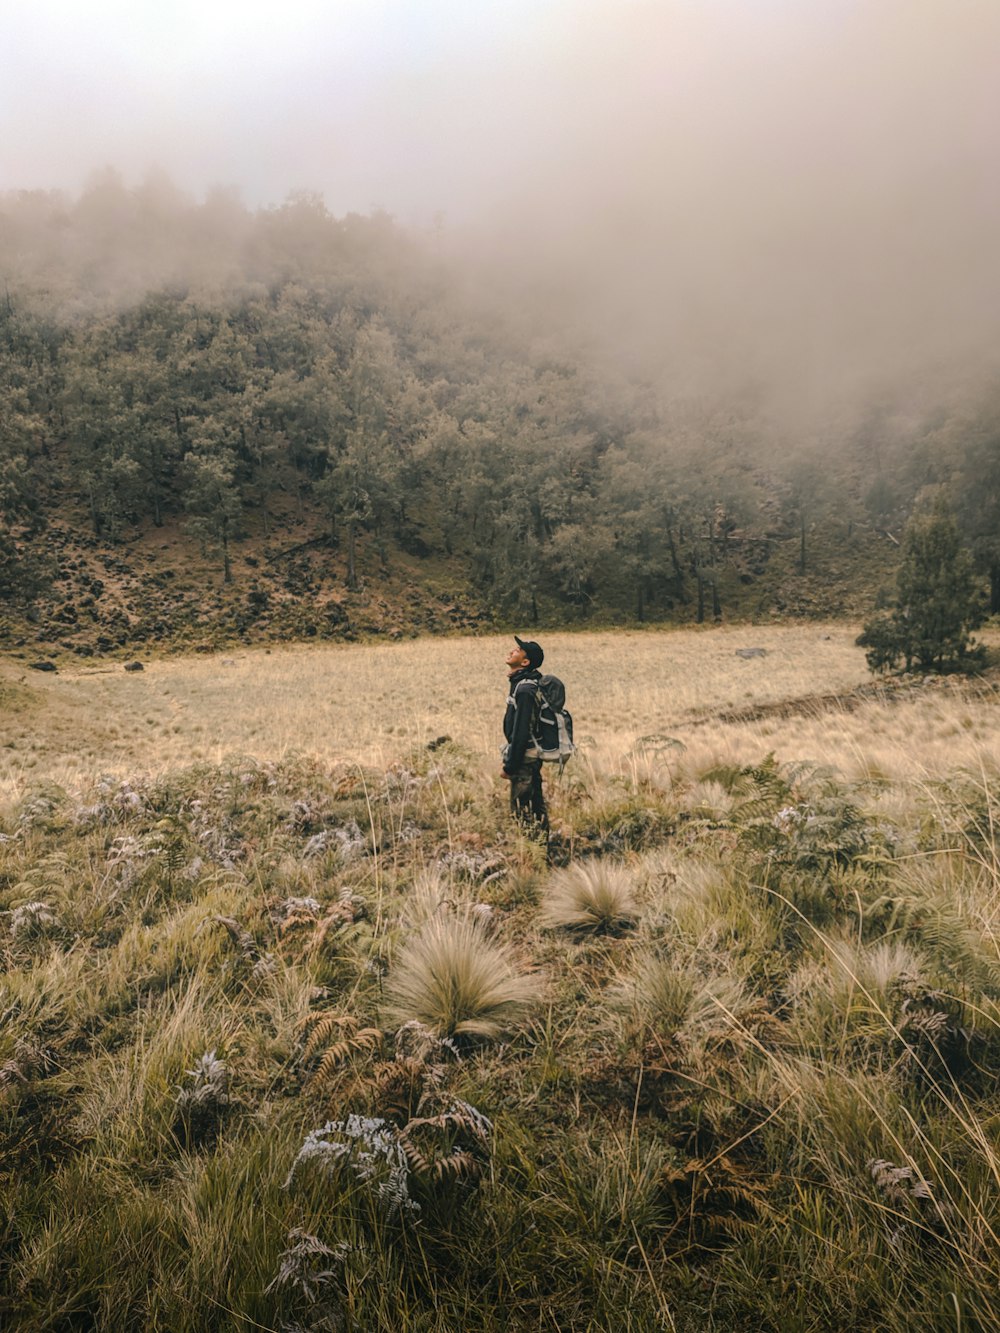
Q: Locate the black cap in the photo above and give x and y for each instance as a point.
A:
(532, 650)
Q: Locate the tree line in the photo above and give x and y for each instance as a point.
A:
(161, 358)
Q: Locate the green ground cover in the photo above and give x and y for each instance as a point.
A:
(294, 1046)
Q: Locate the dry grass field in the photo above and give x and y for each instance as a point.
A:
(301, 1032)
(370, 703)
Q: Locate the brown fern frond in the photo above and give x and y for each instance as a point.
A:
(399, 1087)
(29, 1060)
(419, 1163)
(440, 1166)
(320, 1027)
(296, 920)
(454, 1120)
(449, 1146)
(458, 1165)
(335, 1038)
(718, 1198)
(243, 940)
(332, 1057)
(323, 928)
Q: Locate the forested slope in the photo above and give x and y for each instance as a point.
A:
(219, 423)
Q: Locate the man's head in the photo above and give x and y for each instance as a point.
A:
(526, 654)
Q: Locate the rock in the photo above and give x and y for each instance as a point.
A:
(134, 666)
(751, 652)
(229, 661)
(43, 666)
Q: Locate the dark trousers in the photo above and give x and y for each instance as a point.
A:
(527, 800)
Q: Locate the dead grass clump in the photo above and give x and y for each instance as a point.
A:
(591, 898)
(849, 996)
(457, 982)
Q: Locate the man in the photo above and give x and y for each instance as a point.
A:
(521, 767)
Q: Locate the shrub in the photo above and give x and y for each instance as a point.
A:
(937, 603)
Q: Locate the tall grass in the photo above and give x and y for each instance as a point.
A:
(737, 1061)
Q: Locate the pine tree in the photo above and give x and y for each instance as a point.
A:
(937, 605)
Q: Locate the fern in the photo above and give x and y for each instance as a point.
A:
(938, 926)
(416, 1041)
(334, 1038)
(308, 1272)
(32, 921)
(369, 1148)
(29, 1061)
(201, 1104)
(657, 745)
(718, 1199)
(296, 913)
(241, 938)
(448, 1147)
(823, 834)
(911, 1212)
(348, 909)
(398, 1087)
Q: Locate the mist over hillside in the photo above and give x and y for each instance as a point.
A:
(667, 309)
(800, 199)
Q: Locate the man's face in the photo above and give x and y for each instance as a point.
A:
(517, 658)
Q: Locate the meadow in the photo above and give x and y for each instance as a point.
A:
(301, 1032)
(365, 704)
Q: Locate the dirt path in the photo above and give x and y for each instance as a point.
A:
(983, 688)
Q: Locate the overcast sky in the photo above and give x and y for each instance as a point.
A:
(396, 103)
(417, 104)
(804, 173)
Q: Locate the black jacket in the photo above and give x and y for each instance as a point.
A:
(517, 721)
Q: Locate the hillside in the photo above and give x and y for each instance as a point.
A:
(220, 425)
(158, 591)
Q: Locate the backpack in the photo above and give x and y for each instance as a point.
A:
(552, 735)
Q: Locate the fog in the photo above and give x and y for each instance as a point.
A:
(799, 198)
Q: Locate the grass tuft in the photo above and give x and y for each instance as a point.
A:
(591, 898)
(456, 982)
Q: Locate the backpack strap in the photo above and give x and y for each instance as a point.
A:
(521, 686)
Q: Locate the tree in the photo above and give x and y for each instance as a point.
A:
(807, 499)
(24, 566)
(937, 604)
(23, 569)
(368, 442)
(213, 498)
(979, 499)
